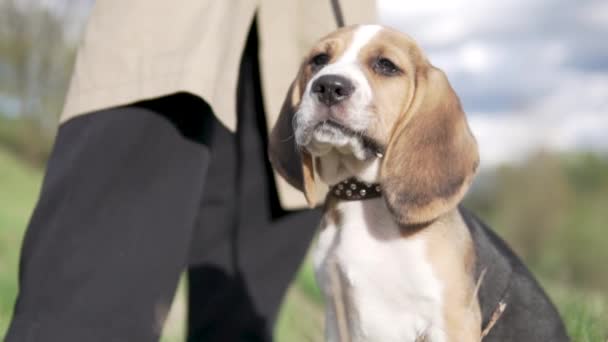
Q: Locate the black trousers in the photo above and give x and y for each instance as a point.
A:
(135, 195)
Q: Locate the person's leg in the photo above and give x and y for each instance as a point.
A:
(219, 309)
(110, 233)
(245, 250)
(271, 242)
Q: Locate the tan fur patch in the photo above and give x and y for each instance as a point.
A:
(451, 253)
(332, 216)
(391, 94)
(308, 175)
(432, 156)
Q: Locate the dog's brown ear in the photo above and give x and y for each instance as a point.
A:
(432, 156)
(294, 165)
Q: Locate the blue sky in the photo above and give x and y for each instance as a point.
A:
(531, 74)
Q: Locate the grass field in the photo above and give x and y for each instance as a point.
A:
(19, 187)
(301, 316)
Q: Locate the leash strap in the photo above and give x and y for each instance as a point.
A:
(335, 5)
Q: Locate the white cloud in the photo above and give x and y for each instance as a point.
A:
(595, 13)
(532, 74)
(475, 57)
(574, 117)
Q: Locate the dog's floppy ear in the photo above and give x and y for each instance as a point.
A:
(293, 164)
(432, 156)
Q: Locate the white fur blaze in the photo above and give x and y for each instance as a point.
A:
(394, 294)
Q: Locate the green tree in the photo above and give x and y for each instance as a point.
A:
(38, 54)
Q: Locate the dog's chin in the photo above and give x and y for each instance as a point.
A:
(330, 137)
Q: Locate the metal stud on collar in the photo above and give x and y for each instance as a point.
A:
(353, 190)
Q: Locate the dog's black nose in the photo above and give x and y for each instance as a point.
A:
(332, 89)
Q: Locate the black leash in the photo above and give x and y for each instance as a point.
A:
(335, 5)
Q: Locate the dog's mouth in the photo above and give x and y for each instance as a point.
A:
(329, 134)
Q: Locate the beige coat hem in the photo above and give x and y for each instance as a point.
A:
(143, 49)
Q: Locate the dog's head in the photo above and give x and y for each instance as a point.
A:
(366, 103)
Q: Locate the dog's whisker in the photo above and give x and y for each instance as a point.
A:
(294, 122)
(477, 287)
(288, 138)
(500, 309)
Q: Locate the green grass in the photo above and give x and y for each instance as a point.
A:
(583, 320)
(307, 283)
(19, 186)
(585, 313)
(301, 317)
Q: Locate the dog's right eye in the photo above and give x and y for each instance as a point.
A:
(319, 60)
(385, 66)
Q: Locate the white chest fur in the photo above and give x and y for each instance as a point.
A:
(390, 291)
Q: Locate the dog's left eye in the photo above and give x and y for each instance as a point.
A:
(385, 66)
(319, 60)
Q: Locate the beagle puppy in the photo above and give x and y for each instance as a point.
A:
(397, 258)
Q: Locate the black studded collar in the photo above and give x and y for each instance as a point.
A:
(353, 189)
